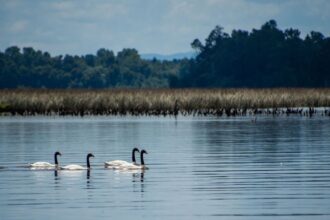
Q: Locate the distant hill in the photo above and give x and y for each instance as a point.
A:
(177, 56)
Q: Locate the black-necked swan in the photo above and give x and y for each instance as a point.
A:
(142, 166)
(46, 165)
(78, 167)
(118, 163)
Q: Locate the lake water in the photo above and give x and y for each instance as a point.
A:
(200, 168)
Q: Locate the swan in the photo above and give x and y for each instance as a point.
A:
(46, 165)
(142, 166)
(78, 167)
(118, 163)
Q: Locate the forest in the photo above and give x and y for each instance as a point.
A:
(262, 58)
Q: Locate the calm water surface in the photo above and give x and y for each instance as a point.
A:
(200, 168)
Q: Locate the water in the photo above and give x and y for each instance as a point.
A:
(200, 168)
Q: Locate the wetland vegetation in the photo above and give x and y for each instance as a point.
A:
(226, 102)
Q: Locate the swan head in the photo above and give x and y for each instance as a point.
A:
(144, 152)
(136, 149)
(90, 155)
(58, 153)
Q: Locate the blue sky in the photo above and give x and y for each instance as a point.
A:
(150, 26)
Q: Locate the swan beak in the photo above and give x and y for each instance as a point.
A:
(59, 154)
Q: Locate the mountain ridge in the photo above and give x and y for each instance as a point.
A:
(169, 57)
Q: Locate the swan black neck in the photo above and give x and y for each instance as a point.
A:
(142, 159)
(133, 154)
(56, 161)
(88, 163)
(55, 157)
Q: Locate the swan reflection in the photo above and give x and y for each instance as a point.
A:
(88, 175)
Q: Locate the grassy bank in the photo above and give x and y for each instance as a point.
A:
(228, 102)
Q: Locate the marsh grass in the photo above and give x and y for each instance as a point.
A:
(228, 102)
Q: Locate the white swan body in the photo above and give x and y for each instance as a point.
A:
(132, 166)
(118, 163)
(45, 165)
(73, 167)
(78, 167)
(41, 164)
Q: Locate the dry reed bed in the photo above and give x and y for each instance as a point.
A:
(228, 102)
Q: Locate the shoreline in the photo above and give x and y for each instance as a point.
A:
(304, 111)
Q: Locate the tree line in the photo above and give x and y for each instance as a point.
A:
(268, 57)
(265, 57)
(29, 68)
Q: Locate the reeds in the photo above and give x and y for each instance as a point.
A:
(228, 102)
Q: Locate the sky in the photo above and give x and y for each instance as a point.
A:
(151, 26)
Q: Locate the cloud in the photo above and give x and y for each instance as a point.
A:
(167, 26)
(62, 5)
(85, 11)
(10, 4)
(18, 26)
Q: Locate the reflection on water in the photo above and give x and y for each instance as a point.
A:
(200, 168)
